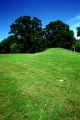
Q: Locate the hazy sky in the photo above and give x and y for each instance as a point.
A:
(67, 11)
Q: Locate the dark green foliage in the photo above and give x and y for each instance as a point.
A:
(21, 26)
(15, 48)
(27, 36)
(28, 32)
(78, 31)
(6, 43)
(4, 46)
(58, 34)
(77, 45)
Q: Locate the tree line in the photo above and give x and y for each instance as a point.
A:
(28, 36)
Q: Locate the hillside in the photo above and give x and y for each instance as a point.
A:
(41, 86)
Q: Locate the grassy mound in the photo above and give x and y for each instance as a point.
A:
(41, 86)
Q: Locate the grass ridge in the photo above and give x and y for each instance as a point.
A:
(41, 86)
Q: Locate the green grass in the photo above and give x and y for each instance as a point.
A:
(30, 86)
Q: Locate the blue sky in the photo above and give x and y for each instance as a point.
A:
(67, 11)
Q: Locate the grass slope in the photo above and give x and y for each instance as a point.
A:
(41, 86)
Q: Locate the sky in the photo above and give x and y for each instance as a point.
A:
(68, 11)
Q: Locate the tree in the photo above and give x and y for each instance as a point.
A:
(15, 48)
(1, 48)
(78, 31)
(58, 34)
(6, 43)
(77, 44)
(28, 31)
(27, 36)
(21, 26)
(4, 46)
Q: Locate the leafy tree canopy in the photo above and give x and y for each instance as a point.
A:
(28, 36)
(59, 34)
(28, 31)
(25, 27)
(78, 31)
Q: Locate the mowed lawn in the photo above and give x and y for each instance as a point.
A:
(41, 86)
